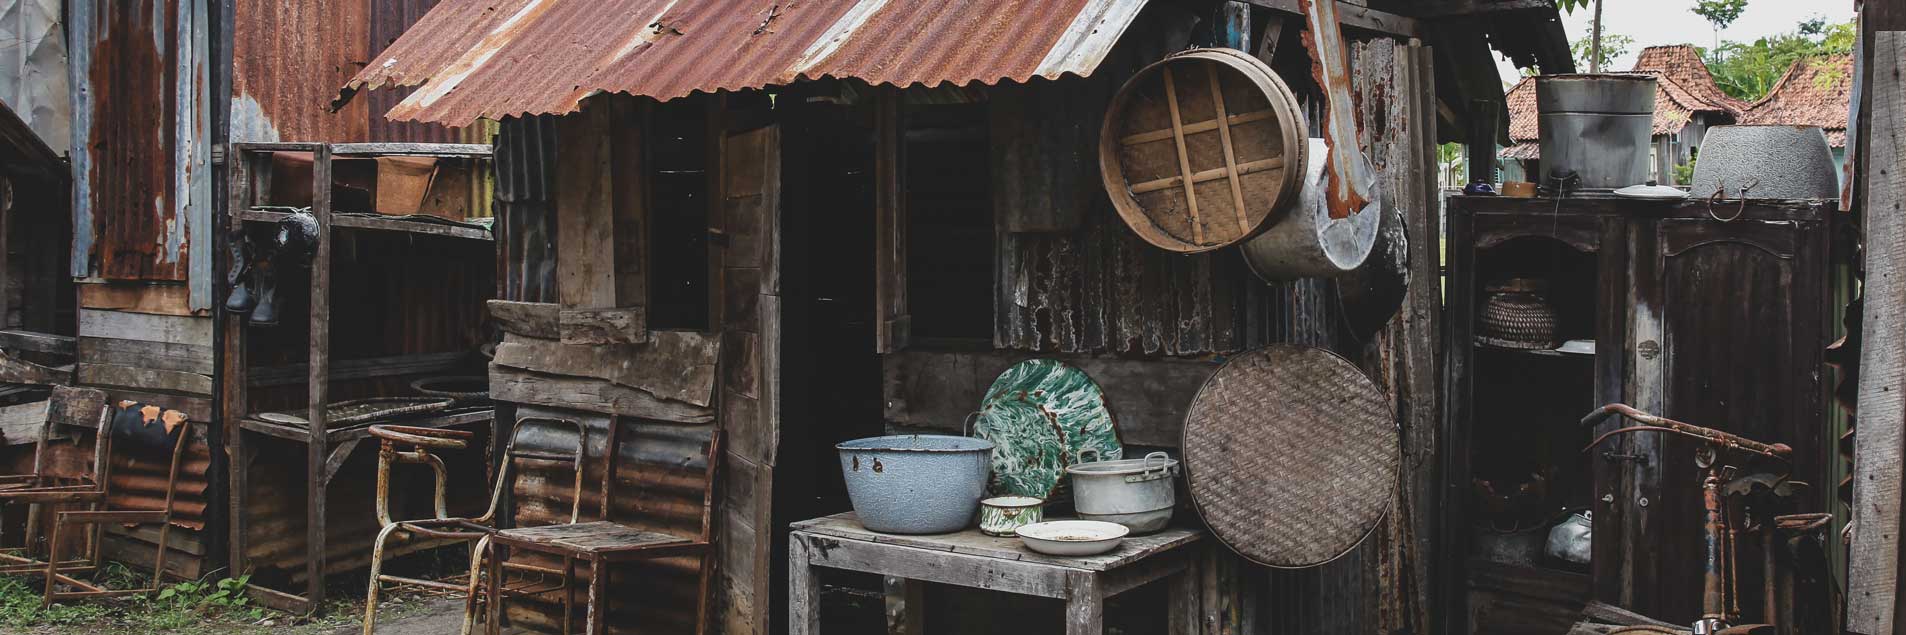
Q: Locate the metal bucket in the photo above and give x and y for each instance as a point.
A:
(1598, 126)
(915, 483)
(1136, 493)
(1308, 243)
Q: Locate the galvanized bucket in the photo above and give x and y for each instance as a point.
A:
(915, 483)
(1598, 127)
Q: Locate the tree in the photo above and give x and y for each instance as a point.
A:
(1719, 13)
(1748, 70)
(1613, 45)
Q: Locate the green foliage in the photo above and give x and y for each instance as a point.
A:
(1684, 173)
(1748, 70)
(1569, 6)
(1613, 45)
(1720, 13)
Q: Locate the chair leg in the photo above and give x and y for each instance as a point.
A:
(701, 599)
(598, 610)
(476, 573)
(493, 626)
(158, 561)
(53, 562)
(569, 592)
(377, 571)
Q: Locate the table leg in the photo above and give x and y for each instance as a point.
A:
(906, 606)
(598, 610)
(804, 595)
(1185, 604)
(1085, 605)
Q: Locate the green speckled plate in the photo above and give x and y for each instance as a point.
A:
(1040, 415)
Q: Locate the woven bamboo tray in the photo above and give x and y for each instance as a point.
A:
(1291, 455)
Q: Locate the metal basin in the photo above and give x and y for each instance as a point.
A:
(1773, 162)
(915, 483)
(1136, 493)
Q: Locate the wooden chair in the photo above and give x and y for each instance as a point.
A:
(58, 575)
(404, 444)
(71, 414)
(602, 543)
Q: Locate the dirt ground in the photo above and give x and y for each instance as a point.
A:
(416, 617)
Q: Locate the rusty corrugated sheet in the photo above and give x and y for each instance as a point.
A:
(141, 158)
(474, 59)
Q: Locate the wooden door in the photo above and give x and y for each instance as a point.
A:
(1728, 333)
(750, 288)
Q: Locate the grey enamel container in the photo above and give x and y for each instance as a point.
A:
(916, 483)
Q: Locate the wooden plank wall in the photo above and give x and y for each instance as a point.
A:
(751, 373)
(142, 342)
(1873, 582)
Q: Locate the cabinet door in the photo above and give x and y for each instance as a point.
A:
(1728, 333)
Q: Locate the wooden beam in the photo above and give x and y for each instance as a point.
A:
(36, 342)
(585, 207)
(589, 395)
(673, 365)
(1355, 16)
(19, 371)
(533, 319)
(1873, 582)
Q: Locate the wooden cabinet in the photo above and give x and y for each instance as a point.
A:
(1718, 323)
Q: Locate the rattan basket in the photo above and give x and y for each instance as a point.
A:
(1517, 315)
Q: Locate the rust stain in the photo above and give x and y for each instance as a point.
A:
(1344, 175)
(474, 59)
(133, 125)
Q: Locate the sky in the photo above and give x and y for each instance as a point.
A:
(1655, 22)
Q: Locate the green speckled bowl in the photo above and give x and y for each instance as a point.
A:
(1041, 414)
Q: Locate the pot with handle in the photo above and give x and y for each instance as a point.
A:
(1136, 493)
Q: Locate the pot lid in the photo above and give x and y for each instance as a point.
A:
(1291, 455)
(1651, 191)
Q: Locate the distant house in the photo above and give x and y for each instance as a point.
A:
(1814, 92)
(1687, 103)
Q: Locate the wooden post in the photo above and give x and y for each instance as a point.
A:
(1873, 560)
(1483, 121)
(316, 454)
(231, 367)
(893, 322)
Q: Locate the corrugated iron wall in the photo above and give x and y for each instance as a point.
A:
(526, 222)
(141, 155)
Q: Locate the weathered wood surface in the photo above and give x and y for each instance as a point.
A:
(150, 355)
(22, 424)
(354, 369)
(144, 378)
(591, 395)
(628, 325)
(1148, 398)
(156, 299)
(893, 324)
(673, 365)
(973, 543)
(750, 274)
(35, 342)
(585, 207)
(1873, 582)
(170, 329)
(534, 319)
(14, 370)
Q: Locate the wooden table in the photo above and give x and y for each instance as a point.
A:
(972, 559)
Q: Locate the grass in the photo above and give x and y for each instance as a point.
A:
(197, 607)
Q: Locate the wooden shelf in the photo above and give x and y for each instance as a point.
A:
(380, 222)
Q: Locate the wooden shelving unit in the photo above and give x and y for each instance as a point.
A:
(326, 447)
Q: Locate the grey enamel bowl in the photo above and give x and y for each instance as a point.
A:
(916, 483)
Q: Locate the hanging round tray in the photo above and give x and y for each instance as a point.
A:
(1202, 150)
(1290, 455)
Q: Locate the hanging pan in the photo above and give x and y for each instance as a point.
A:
(1291, 455)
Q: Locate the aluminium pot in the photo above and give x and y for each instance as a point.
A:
(1136, 493)
(915, 483)
(1599, 127)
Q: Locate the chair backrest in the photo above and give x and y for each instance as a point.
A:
(72, 413)
(657, 467)
(546, 440)
(162, 450)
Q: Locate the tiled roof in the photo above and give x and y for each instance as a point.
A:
(1682, 63)
(1814, 92)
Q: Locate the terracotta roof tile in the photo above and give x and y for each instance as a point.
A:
(1814, 92)
(1682, 63)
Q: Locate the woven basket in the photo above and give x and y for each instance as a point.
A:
(1517, 316)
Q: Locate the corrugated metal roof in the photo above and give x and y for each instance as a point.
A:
(474, 59)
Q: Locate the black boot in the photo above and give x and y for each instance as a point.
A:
(266, 311)
(242, 298)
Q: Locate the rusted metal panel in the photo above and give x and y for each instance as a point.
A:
(1348, 179)
(474, 59)
(283, 55)
(142, 187)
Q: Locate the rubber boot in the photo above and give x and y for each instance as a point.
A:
(266, 311)
(242, 297)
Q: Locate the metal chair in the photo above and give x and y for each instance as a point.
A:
(602, 543)
(71, 413)
(57, 575)
(404, 444)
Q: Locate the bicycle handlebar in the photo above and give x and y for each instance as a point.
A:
(1657, 422)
